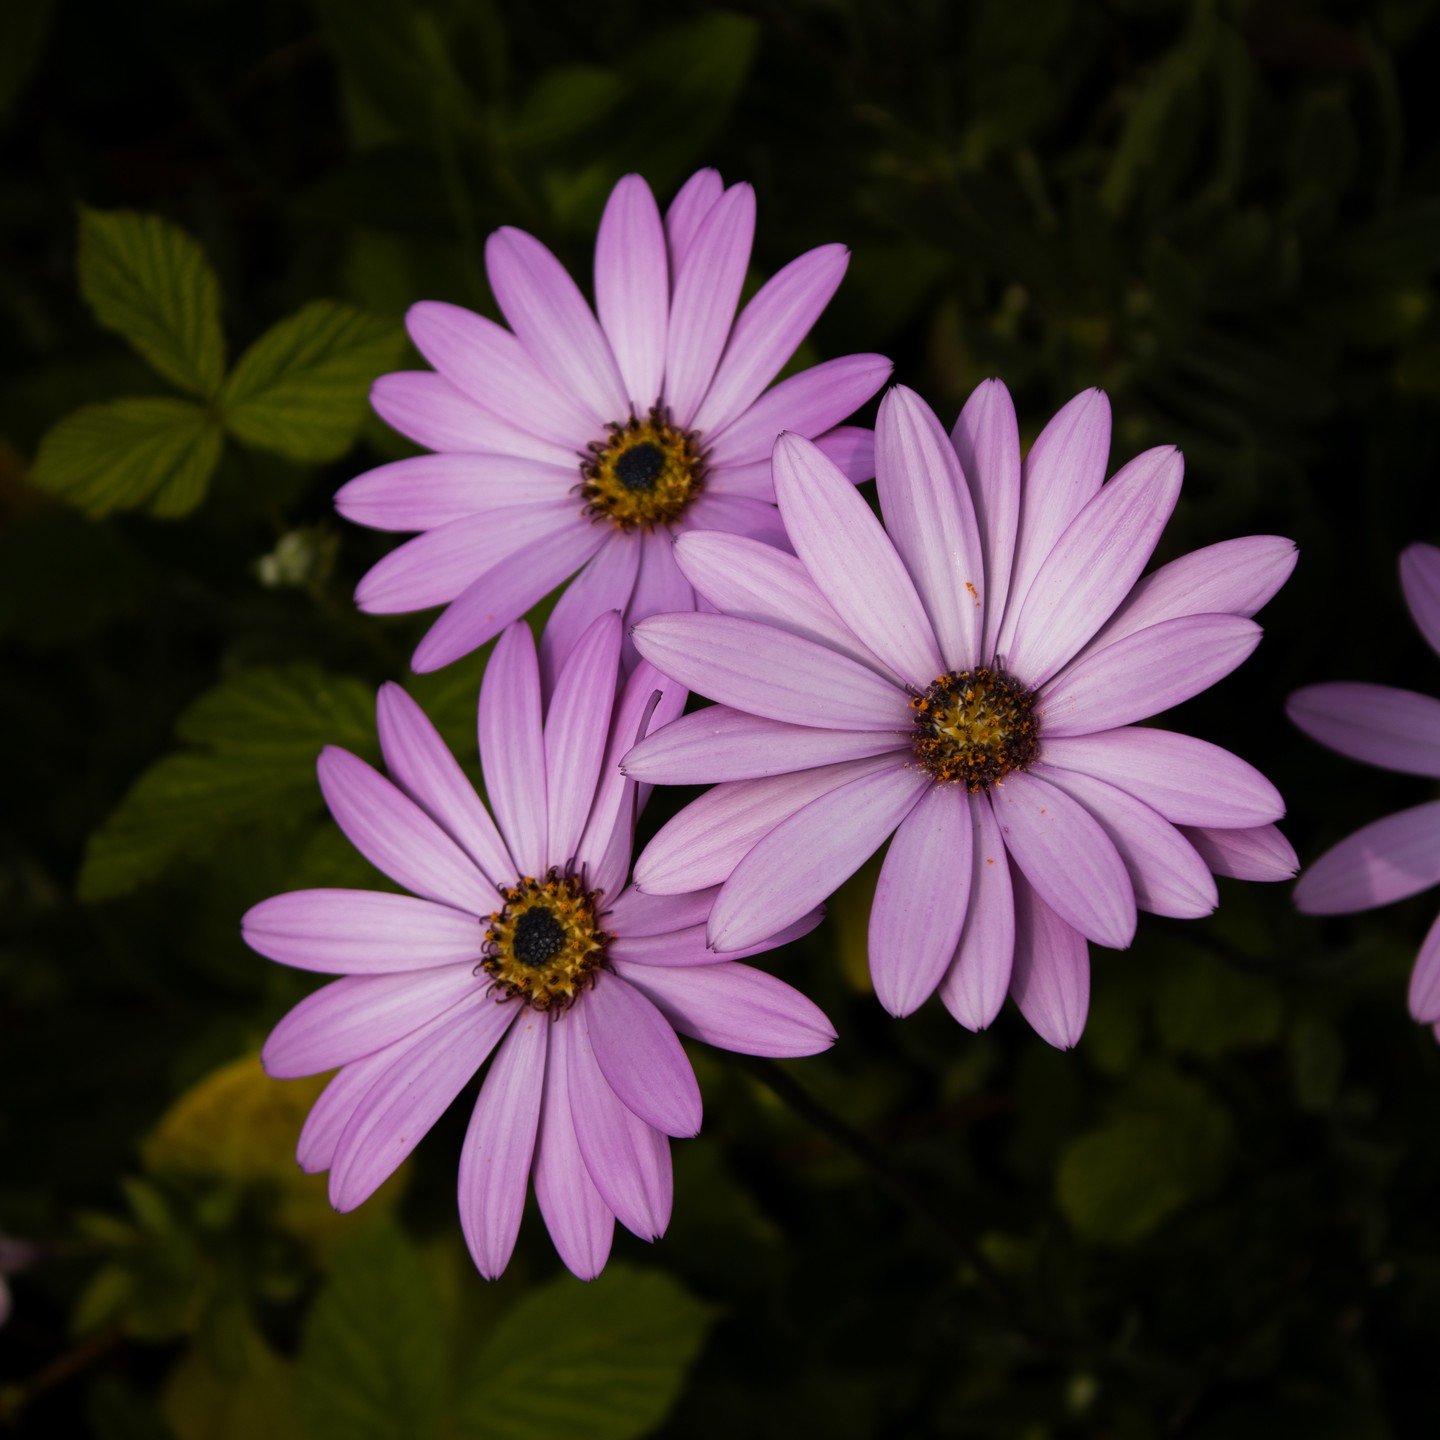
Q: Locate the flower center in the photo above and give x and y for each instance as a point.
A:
(643, 474)
(546, 945)
(975, 727)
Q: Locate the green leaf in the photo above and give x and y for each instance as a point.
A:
(235, 1392)
(301, 388)
(150, 283)
(628, 1340)
(259, 734)
(372, 1362)
(120, 455)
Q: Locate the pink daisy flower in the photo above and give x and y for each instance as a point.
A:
(519, 939)
(968, 682)
(570, 442)
(1399, 856)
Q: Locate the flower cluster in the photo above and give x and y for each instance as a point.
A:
(965, 675)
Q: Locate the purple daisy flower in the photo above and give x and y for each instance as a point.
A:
(572, 443)
(523, 940)
(969, 682)
(1399, 856)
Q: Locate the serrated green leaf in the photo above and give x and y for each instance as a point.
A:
(260, 733)
(629, 1339)
(300, 389)
(373, 1358)
(149, 451)
(150, 283)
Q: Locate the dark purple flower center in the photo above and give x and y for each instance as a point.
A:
(644, 473)
(974, 727)
(546, 946)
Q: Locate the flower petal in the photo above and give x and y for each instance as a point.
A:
(807, 403)
(433, 568)
(635, 914)
(577, 732)
(1235, 577)
(546, 310)
(499, 1144)
(851, 447)
(692, 203)
(1051, 978)
(987, 441)
(1425, 979)
(506, 591)
(1389, 859)
(707, 288)
(427, 491)
(488, 365)
(974, 987)
(579, 1221)
(428, 409)
(1145, 673)
(1420, 580)
(1168, 874)
(1092, 567)
(737, 515)
(606, 583)
(1394, 729)
(769, 331)
(1062, 474)
(641, 1058)
(421, 764)
(354, 1017)
(807, 856)
(330, 1114)
(660, 588)
(632, 288)
(396, 836)
(919, 909)
(754, 581)
(628, 1160)
(929, 516)
(769, 672)
(1260, 853)
(852, 562)
(417, 1088)
(1066, 855)
(734, 1007)
(512, 748)
(360, 932)
(691, 946)
(702, 845)
(1189, 781)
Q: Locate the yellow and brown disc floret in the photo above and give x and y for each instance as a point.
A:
(546, 946)
(644, 473)
(974, 727)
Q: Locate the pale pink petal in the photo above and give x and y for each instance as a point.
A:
(632, 288)
(1425, 979)
(1260, 853)
(641, 1058)
(851, 560)
(739, 515)
(851, 447)
(1051, 978)
(579, 1221)
(488, 365)
(330, 1114)
(734, 1007)
(679, 948)
(1377, 724)
(929, 516)
(360, 932)
(1067, 856)
(428, 491)
(428, 409)
(707, 289)
(974, 987)
(660, 588)
(1420, 580)
(692, 203)
(1389, 859)
(1093, 566)
(499, 1144)
(512, 749)
(635, 913)
(920, 901)
(769, 331)
(805, 858)
(987, 441)
(548, 313)
(606, 583)
(396, 836)
(421, 764)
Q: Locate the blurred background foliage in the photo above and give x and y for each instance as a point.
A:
(1216, 1218)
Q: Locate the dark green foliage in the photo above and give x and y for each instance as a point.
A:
(1216, 1218)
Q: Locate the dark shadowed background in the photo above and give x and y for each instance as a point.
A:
(1219, 1216)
